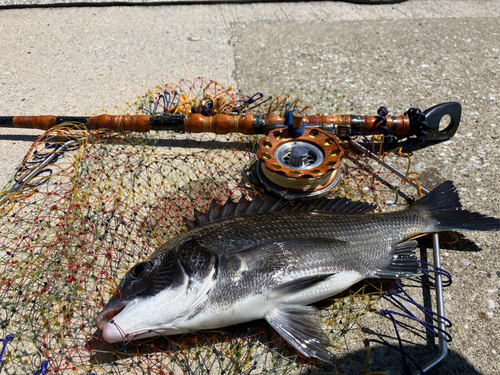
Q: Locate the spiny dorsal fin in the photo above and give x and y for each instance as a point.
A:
(191, 224)
(259, 205)
(214, 211)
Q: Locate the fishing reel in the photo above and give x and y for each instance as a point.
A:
(299, 162)
(301, 155)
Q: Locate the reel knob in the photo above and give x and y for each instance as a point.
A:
(299, 156)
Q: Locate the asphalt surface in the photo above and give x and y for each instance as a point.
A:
(86, 60)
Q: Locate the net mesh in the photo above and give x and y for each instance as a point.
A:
(86, 205)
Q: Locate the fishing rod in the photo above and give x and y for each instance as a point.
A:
(413, 123)
(299, 155)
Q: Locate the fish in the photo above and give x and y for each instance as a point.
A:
(263, 258)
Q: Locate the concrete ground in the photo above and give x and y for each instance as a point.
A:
(84, 60)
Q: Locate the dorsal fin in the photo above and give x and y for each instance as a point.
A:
(259, 205)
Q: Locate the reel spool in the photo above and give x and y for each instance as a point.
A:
(298, 167)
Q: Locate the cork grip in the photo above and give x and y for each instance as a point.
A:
(219, 124)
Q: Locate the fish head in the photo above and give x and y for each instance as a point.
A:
(155, 294)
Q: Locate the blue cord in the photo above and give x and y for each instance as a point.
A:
(6, 340)
(408, 314)
(43, 370)
(401, 349)
(429, 313)
(426, 277)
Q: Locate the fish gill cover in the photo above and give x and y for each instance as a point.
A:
(105, 200)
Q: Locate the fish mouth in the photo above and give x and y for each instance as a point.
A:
(110, 311)
(111, 332)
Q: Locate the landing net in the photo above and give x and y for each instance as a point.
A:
(97, 202)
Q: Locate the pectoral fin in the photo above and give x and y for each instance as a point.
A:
(300, 326)
(297, 285)
(271, 256)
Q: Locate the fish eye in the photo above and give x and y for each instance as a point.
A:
(140, 269)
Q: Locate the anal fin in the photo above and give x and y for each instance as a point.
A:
(402, 262)
(300, 326)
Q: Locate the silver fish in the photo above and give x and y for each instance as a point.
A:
(264, 259)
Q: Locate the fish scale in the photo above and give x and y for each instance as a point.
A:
(267, 259)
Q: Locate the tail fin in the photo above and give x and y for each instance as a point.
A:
(443, 204)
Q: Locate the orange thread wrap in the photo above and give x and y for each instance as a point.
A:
(219, 124)
(312, 120)
(274, 119)
(330, 120)
(370, 125)
(403, 126)
(35, 122)
(400, 127)
(138, 123)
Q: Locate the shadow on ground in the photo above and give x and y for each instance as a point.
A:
(385, 361)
